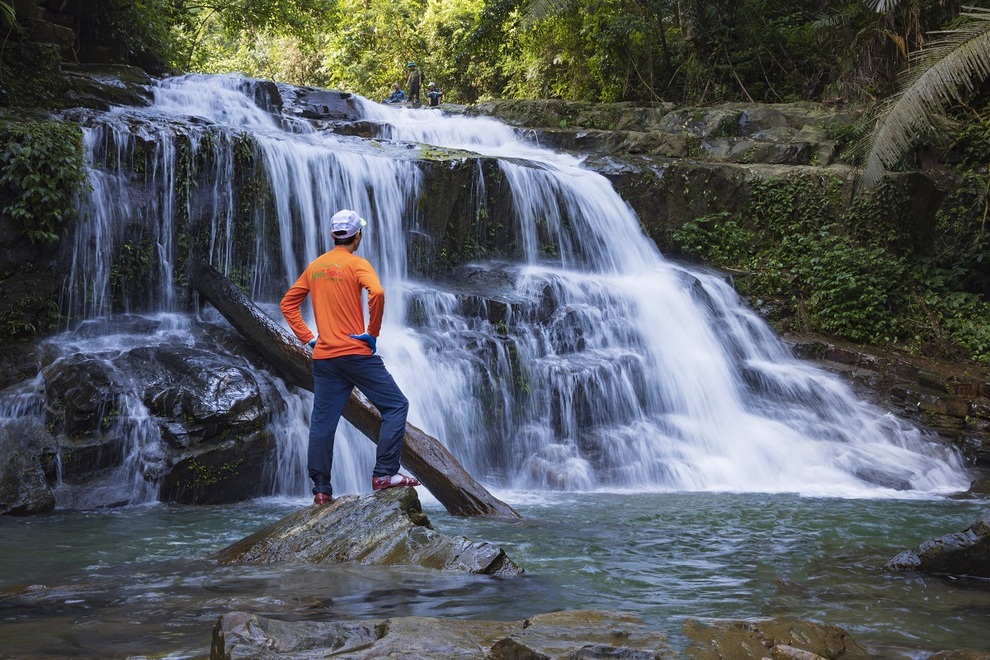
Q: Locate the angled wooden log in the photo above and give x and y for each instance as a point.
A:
(422, 454)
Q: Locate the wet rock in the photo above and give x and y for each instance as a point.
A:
(101, 86)
(23, 487)
(719, 639)
(794, 134)
(386, 528)
(18, 362)
(205, 396)
(325, 104)
(199, 414)
(83, 393)
(571, 634)
(883, 479)
(267, 95)
(965, 553)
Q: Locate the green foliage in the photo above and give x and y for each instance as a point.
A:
(852, 271)
(956, 271)
(41, 171)
(131, 272)
(143, 28)
(694, 51)
(447, 59)
(8, 17)
(792, 238)
(295, 17)
(282, 41)
(717, 238)
(27, 316)
(847, 289)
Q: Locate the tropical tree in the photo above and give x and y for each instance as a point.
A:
(946, 71)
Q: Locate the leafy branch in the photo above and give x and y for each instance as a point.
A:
(944, 71)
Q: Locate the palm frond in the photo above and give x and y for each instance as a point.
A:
(881, 6)
(827, 22)
(944, 71)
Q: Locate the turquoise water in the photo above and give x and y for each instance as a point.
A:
(137, 581)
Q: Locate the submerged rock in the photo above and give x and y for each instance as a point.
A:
(386, 528)
(965, 553)
(571, 634)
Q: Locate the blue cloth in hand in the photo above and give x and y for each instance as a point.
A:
(368, 339)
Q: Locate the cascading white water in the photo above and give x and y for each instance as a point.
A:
(612, 368)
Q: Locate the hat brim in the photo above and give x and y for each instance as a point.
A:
(351, 231)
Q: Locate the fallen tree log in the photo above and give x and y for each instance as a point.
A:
(422, 454)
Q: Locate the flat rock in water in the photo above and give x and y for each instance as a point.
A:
(965, 553)
(738, 639)
(385, 528)
(570, 634)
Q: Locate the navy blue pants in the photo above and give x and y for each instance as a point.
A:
(332, 383)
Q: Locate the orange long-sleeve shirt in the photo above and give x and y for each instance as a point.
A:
(334, 282)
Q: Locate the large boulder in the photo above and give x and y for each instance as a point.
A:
(965, 553)
(191, 421)
(385, 528)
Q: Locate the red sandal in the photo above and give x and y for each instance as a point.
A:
(379, 483)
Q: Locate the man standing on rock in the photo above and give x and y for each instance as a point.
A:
(414, 81)
(344, 355)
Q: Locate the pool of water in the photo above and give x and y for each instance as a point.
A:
(138, 581)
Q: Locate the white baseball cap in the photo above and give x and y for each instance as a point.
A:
(346, 223)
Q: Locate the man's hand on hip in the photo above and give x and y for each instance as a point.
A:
(367, 339)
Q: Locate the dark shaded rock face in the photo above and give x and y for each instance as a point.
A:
(309, 102)
(101, 86)
(23, 487)
(963, 554)
(83, 394)
(386, 528)
(200, 413)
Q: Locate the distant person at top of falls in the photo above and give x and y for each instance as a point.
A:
(344, 354)
(397, 95)
(413, 82)
(433, 95)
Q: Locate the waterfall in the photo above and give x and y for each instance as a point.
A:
(598, 365)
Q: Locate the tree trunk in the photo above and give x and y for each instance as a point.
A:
(422, 454)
